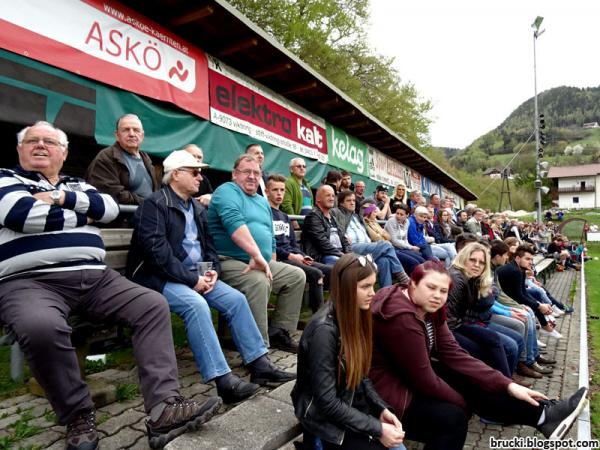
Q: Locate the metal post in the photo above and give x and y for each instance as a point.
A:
(538, 180)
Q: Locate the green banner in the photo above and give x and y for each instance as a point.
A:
(347, 152)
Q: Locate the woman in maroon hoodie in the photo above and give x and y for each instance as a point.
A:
(433, 384)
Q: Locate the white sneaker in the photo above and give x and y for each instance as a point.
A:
(541, 344)
(557, 312)
(554, 334)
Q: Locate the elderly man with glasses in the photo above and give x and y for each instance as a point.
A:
(298, 198)
(241, 224)
(173, 253)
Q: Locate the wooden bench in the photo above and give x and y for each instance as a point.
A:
(544, 266)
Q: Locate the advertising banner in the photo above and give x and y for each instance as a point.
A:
(347, 152)
(384, 169)
(240, 104)
(110, 43)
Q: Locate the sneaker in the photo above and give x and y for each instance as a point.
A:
(281, 339)
(180, 415)
(238, 391)
(557, 312)
(82, 433)
(569, 310)
(541, 344)
(541, 369)
(560, 414)
(271, 375)
(553, 334)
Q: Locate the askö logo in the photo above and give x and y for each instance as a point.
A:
(346, 150)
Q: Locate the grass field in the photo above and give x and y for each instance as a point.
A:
(592, 277)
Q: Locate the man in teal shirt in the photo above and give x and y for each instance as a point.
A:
(241, 224)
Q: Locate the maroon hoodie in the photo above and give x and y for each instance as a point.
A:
(401, 359)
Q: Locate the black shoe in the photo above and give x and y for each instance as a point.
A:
(180, 415)
(82, 433)
(271, 375)
(281, 339)
(238, 391)
(560, 414)
(569, 310)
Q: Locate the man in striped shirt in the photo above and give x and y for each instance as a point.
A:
(52, 263)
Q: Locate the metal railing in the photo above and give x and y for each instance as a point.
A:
(574, 189)
(583, 423)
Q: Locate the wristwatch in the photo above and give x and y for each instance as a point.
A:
(55, 196)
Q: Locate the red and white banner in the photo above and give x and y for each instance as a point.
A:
(111, 43)
(384, 168)
(240, 104)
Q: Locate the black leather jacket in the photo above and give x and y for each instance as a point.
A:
(315, 236)
(323, 407)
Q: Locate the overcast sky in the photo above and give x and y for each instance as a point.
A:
(474, 59)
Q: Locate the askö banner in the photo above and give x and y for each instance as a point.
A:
(240, 104)
(347, 152)
(110, 43)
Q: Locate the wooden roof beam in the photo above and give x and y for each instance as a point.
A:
(192, 16)
(361, 124)
(300, 88)
(345, 115)
(272, 70)
(328, 103)
(239, 46)
(370, 133)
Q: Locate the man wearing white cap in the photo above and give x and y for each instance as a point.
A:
(170, 249)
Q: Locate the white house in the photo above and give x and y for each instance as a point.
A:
(578, 186)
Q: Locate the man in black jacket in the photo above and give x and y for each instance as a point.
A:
(286, 248)
(169, 251)
(511, 277)
(322, 238)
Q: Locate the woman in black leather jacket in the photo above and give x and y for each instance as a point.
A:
(333, 400)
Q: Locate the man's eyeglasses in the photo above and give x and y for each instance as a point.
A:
(194, 172)
(300, 166)
(248, 172)
(48, 142)
(362, 260)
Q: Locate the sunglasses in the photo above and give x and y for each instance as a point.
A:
(362, 260)
(194, 172)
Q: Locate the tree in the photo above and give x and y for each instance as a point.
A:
(330, 35)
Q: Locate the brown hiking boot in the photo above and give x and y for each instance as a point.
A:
(520, 380)
(180, 415)
(526, 371)
(81, 432)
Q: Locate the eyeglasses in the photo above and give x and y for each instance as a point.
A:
(194, 172)
(477, 262)
(362, 260)
(248, 172)
(300, 166)
(48, 142)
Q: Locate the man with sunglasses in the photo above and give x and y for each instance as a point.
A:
(241, 224)
(298, 198)
(169, 250)
(52, 263)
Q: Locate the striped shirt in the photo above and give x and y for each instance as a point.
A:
(38, 237)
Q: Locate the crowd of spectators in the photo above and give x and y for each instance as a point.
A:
(233, 247)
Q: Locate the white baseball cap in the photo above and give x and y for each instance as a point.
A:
(181, 158)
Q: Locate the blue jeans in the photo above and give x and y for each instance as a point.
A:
(511, 340)
(330, 259)
(409, 259)
(384, 255)
(194, 309)
(446, 251)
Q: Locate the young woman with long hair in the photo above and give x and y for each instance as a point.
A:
(333, 398)
(433, 384)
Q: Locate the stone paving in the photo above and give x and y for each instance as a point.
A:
(121, 424)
